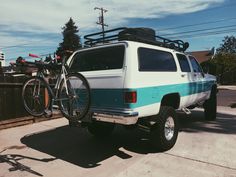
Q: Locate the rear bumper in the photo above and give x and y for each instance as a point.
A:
(124, 118)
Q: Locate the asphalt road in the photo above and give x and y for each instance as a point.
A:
(51, 148)
(226, 97)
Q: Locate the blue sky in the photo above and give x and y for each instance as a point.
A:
(30, 26)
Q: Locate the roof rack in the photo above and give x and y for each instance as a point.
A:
(145, 35)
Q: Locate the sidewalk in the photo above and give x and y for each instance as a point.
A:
(226, 87)
(52, 148)
(226, 110)
(228, 95)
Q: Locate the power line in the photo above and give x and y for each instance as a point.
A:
(196, 24)
(199, 30)
(164, 29)
(28, 43)
(206, 33)
(39, 41)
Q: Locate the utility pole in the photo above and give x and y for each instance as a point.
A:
(2, 58)
(101, 19)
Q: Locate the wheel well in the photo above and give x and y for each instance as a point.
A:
(172, 100)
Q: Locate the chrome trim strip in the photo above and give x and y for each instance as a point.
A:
(122, 118)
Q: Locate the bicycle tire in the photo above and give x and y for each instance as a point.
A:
(36, 96)
(75, 105)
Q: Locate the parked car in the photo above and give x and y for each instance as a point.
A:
(142, 79)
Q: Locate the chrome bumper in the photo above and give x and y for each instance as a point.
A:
(119, 118)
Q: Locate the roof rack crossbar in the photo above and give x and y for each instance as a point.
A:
(94, 38)
(91, 41)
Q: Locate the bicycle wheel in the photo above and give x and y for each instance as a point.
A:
(36, 96)
(74, 97)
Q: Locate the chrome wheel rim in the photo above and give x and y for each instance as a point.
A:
(169, 128)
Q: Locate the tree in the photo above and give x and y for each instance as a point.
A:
(71, 41)
(225, 61)
(228, 46)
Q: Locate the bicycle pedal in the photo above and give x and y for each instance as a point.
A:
(48, 113)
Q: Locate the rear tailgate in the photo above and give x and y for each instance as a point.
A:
(104, 69)
(106, 88)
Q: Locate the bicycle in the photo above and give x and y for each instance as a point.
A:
(71, 91)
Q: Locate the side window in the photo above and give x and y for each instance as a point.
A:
(156, 60)
(196, 67)
(183, 62)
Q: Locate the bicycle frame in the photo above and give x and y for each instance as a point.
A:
(60, 77)
(69, 90)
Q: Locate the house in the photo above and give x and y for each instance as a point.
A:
(203, 55)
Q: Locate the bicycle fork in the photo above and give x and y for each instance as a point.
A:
(48, 113)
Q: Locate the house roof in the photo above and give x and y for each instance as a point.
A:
(202, 56)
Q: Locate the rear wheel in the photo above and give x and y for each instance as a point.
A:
(74, 97)
(210, 106)
(164, 132)
(36, 96)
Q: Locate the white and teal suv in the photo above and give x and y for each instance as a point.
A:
(137, 78)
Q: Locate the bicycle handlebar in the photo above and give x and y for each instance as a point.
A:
(41, 65)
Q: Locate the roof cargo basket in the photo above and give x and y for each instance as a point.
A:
(145, 35)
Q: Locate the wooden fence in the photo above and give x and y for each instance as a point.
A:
(10, 97)
(12, 111)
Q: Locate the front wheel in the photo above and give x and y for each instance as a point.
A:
(74, 97)
(36, 96)
(164, 132)
(210, 106)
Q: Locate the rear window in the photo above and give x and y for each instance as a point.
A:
(155, 60)
(99, 59)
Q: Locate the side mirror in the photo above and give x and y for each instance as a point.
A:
(203, 74)
(206, 69)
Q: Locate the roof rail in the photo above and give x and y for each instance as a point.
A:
(145, 35)
(96, 38)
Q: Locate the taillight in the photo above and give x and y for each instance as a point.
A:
(131, 97)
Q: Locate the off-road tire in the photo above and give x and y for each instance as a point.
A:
(159, 135)
(210, 106)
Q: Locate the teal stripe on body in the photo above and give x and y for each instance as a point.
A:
(114, 98)
(107, 98)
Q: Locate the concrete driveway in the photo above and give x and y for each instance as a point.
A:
(52, 149)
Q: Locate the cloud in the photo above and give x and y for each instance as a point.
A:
(48, 16)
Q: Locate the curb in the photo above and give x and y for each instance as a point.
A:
(4, 124)
(226, 110)
(226, 87)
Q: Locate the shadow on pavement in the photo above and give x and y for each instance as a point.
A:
(13, 161)
(77, 146)
(194, 123)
